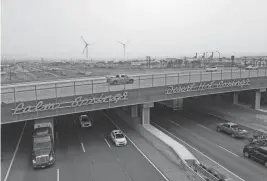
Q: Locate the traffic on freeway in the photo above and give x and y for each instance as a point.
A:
(63, 88)
(198, 133)
(81, 153)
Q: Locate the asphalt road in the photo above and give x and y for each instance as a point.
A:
(83, 154)
(10, 134)
(99, 84)
(198, 130)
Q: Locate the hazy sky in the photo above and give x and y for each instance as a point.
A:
(52, 28)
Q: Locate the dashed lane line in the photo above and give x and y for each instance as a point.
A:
(58, 174)
(107, 142)
(140, 150)
(82, 146)
(228, 151)
(199, 151)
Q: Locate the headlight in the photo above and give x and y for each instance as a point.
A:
(51, 158)
(33, 161)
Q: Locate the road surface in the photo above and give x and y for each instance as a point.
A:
(83, 154)
(198, 130)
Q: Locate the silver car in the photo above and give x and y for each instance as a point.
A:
(85, 121)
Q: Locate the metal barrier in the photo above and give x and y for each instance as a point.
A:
(85, 86)
(197, 177)
(207, 175)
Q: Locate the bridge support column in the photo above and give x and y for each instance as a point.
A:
(256, 104)
(146, 113)
(178, 103)
(134, 111)
(235, 97)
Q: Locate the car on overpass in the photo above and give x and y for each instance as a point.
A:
(258, 153)
(251, 67)
(85, 121)
(211, 69)
(118, 137)
(232, 129)
(120, 79)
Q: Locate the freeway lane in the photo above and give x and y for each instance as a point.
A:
(10, 134)
(84, 154)
(228, 155)
(89, 154)
(21, 169)
(85, 87)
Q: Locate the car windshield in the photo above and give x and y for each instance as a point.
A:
(235, 126)
(85, 119)
(119, 135)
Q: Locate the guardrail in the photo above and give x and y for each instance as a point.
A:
(206, 174)
(82, 86)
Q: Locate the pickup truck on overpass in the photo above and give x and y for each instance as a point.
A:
(120, 79)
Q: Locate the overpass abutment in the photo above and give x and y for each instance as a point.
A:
(179, 103)
(146, 113)
(256, 101)
(235, 97)
(134, 111)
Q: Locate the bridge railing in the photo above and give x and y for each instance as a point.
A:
(85, 86)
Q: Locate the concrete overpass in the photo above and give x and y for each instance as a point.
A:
(35, 100)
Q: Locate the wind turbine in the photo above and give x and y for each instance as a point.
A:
(86, 47)
(124, 46)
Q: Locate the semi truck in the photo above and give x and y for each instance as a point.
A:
(43, 152)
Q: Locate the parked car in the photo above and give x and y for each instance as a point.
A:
(251, 67)
(211, 69)
(232, 129)
(120, 79)
(118, 138)
(85, 121)
(258, 153)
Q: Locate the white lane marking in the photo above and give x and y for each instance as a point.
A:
(82, 146)
(175, 123)
(16, 150)
(204, 127)
(203, 138)
(57, 174)
(228, 151)
(107, 142)
(200, 152)
(140, 151)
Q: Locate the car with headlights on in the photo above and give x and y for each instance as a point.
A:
(85, 121)
(118, 137)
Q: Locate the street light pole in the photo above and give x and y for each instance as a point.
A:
(219, 55)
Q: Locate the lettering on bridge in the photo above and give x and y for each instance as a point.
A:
(78, 102)
(201, 86)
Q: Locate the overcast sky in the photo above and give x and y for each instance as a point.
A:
(159, 28)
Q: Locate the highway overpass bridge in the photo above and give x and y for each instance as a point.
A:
(33, 100)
